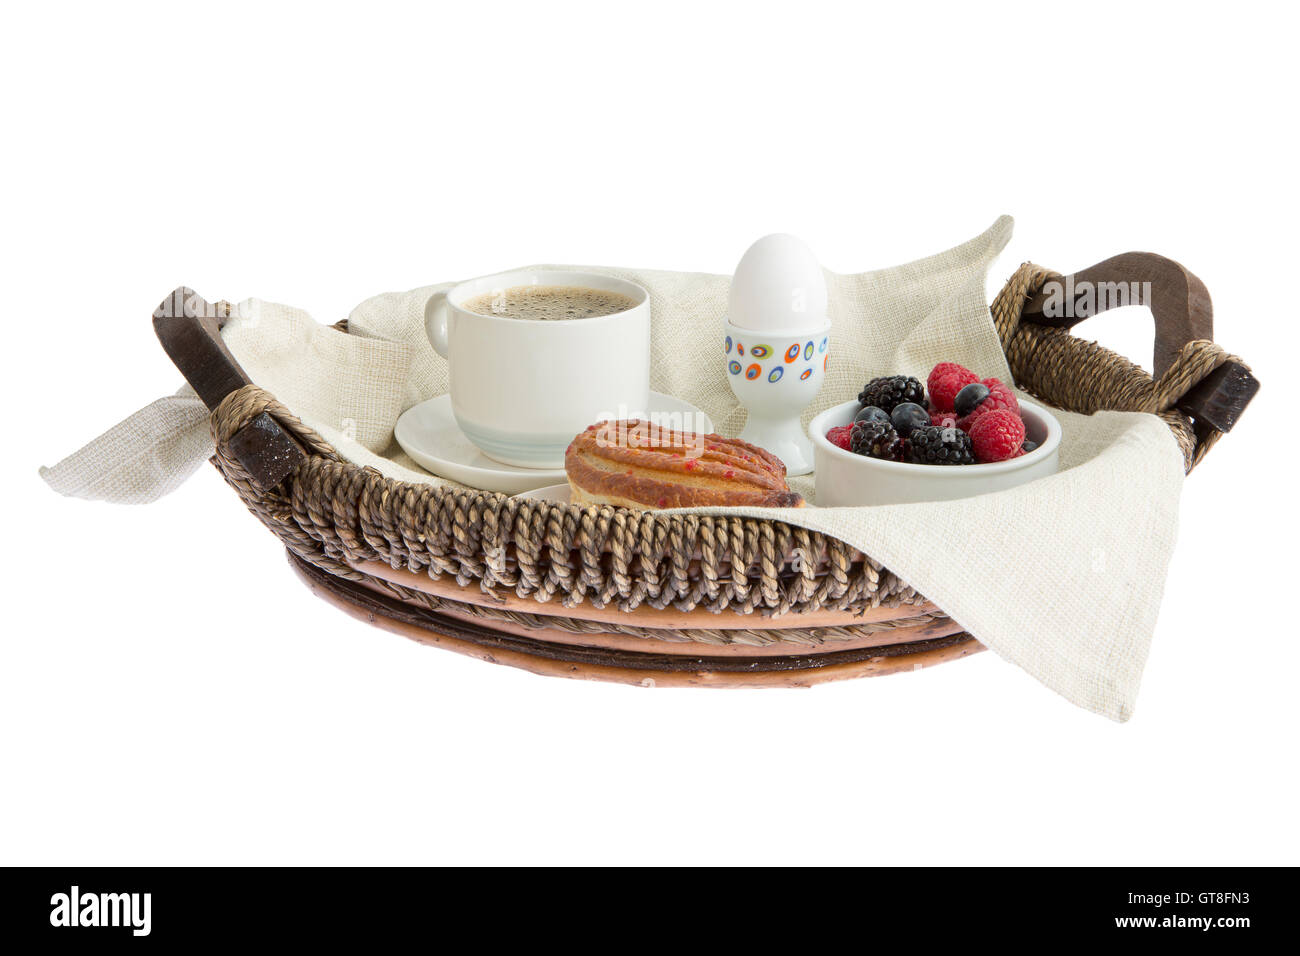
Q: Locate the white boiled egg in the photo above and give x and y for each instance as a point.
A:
(778, 287)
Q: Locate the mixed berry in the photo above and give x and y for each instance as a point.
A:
(885, 393)
(965, 420)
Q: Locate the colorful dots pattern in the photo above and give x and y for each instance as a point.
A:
(754, 370)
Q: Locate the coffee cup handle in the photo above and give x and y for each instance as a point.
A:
(436, 315)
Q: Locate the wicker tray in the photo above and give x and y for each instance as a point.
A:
(645, 597)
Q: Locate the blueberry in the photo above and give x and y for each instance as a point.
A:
(1029, 446)
(969, 398)
(908, 415)
(870, 413)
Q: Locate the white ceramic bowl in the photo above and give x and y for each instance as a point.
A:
(844, 478)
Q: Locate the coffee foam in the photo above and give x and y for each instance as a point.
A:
(548, 303)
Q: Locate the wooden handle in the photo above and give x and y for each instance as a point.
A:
(1178, 300)
(1183, 312)
(189, 328)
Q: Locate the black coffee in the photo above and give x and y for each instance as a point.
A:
(548, 303)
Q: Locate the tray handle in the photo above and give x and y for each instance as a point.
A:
(1183, 313)
(189, 328)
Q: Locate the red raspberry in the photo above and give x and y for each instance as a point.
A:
(943, 419)
(1000, 396)
(997, 435)
(839, 436)
(945, 381)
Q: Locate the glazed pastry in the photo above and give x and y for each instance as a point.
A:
(637, 464)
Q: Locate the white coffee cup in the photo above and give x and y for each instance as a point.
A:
(521, 389)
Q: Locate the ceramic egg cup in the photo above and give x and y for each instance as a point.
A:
(776, 375)
(845, 479)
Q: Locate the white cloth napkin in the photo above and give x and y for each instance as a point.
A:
(1062, 576)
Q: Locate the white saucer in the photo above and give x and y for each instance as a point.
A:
(557, 493)
(428, 433)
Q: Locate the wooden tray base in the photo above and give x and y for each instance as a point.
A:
(553, 653)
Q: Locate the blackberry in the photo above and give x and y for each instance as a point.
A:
(934, 445)
(877, 440)
(888, 392)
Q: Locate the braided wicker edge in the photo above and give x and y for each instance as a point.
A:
(336, 514)
(649, 667)
(718, 637)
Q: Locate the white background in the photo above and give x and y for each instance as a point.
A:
(169, 693)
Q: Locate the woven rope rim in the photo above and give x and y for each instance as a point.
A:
(819, 636)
